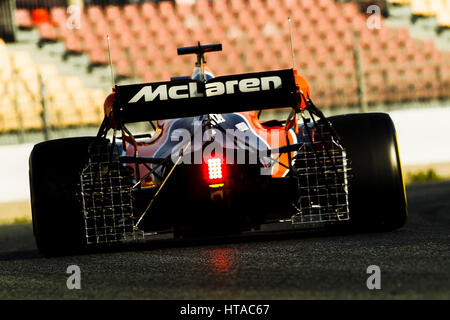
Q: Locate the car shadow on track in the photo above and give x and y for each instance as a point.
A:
(266, 236)
(17, 242)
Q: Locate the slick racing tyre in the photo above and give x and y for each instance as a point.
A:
(377, 196)
(54, 169)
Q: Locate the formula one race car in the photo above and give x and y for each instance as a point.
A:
(211, 167)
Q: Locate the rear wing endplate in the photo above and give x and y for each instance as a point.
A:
(189, 98)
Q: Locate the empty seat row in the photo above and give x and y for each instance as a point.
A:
(27, 89)
(440, 9)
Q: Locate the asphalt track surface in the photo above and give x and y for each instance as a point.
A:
(414, 263)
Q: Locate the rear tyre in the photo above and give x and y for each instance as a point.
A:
(377, 196)
(54, 170)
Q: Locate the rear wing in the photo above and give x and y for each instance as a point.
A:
(189, 98)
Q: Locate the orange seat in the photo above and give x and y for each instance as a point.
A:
(95, 13)
(142, 66)
(148, 9)
(123, 68)
(220, 6)
(236, 5)
(73, 42)
(101, 28)
(183, 9)
(166, 9)
(90, 41)
(98, 56)
(40, 16)
(256, 5)
(131, 12)
(201, 7)
(112, 13)
(137, 24)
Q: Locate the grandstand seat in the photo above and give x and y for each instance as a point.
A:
(95, 13)
(118, 25)
(8, 117)
(112, 12)
(397, 84)
(97, 57)
(73, 44)
(185, 8)
(148, 10)
(29, 114)
(143, 37)
(257, 5)
(375, 87)
(21, 60)
(162, 75)
(174, 24)
(131, 11)
(235, 6)
(444, 81)
(274, 6)
(40, 15)
(443, 16)
(137, 24)
(147, 76)
(90, 41)
(58, 15)
(67, 102)
(47, 33)
(290, 5)
(123, 68)
(29, 77)
(92, 112)
(202, 8)
(306, 4)
(219, 6)
(54, 85)
(101, 28)
(23, 19)
(166, 9)
(61, 111)
(260, 18)
(421, 8)
(47, 71)
(73, 83)
(81, 107)
(142, 66)
(134, 53)
(349, 11)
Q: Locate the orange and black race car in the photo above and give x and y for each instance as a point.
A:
(211, 167)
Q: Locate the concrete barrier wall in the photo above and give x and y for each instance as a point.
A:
(14, 172)
(423, 137)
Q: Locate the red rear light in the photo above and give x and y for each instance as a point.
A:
(215, 172)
